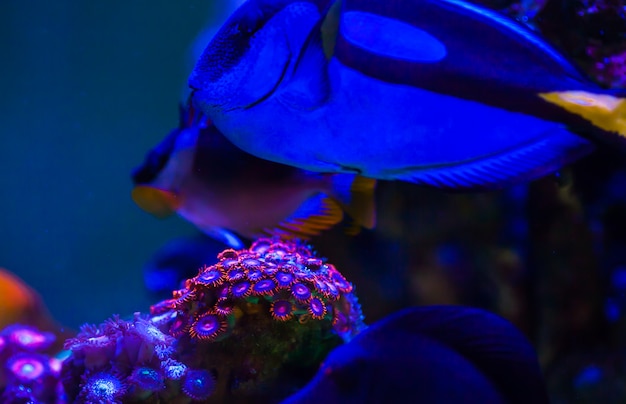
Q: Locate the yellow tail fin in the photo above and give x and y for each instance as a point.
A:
(605, 111)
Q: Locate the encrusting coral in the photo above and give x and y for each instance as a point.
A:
(271, 312)
(254, 326)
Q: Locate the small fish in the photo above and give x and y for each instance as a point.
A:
(441, 93)
(203, 177)
(20, 304)
(432, 354)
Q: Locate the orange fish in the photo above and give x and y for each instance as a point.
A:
(20, 304)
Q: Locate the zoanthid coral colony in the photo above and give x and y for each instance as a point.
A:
(256, 325)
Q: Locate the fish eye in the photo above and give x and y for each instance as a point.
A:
(254, 14)
(250, 23)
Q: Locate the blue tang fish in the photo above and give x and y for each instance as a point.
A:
(433, 354)
(199, 174)
(436, 92)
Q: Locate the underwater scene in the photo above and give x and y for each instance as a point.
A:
(313, 201)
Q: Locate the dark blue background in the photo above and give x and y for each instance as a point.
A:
(86, 89)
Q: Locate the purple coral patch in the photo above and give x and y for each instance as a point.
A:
(28, 338)
(254, 275)
(241, 289)
(102, 387)
(180, 325)
(147, 378)
(209, 277)
(317, 308)
(207, 327)
(300, 292)
(263, 287)
(27, 367)
(284, 279)
(282, 310)
(198, 384)
(235, 275)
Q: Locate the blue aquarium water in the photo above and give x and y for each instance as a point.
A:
(481, 260)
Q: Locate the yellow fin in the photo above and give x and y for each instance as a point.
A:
(605, 111)
(314, 216)
(355, 194)
(156, 201)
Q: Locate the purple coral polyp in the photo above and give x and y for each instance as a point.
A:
(285, 275)
(102, 387)
(198, 384)
(28, 338)
(211, 277)
(282, 310)
(147, 378)
(264, 287)
(27, 367)
(208, 327)
(300, 292)
(241, 289)
(317, 308)
(284, 279)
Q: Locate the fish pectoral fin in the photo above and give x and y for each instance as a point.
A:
(603, 110)
(223, 235)
(546, 154)
(316, 214)
(158, 202)
(355, 195)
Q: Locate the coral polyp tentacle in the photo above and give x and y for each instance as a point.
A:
(254, 275)
(224, 307)
(198, 384)
(147, 378)
(27, 367)
(241, 289)
(251, 264)
(102, 387)
(180, 325)
(173, 369)
(209, 277)
(284, 279)
(282, 274)
(300, 292)
(235, 275)
(28, 338)
(317, 308)
(264, 287)
(340, 282)
(208, 327)
(228, 254)
(282, 310)
(162, 307)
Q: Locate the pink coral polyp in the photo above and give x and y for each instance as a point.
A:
(208, 327)
(283, 278)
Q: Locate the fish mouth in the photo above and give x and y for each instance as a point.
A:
(272, 90)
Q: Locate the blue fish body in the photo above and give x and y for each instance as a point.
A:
(432, 354)
(440, 93)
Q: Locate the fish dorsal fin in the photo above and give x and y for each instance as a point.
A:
(355, 194)
(525, 163)
(316, 214)
(603, 110)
